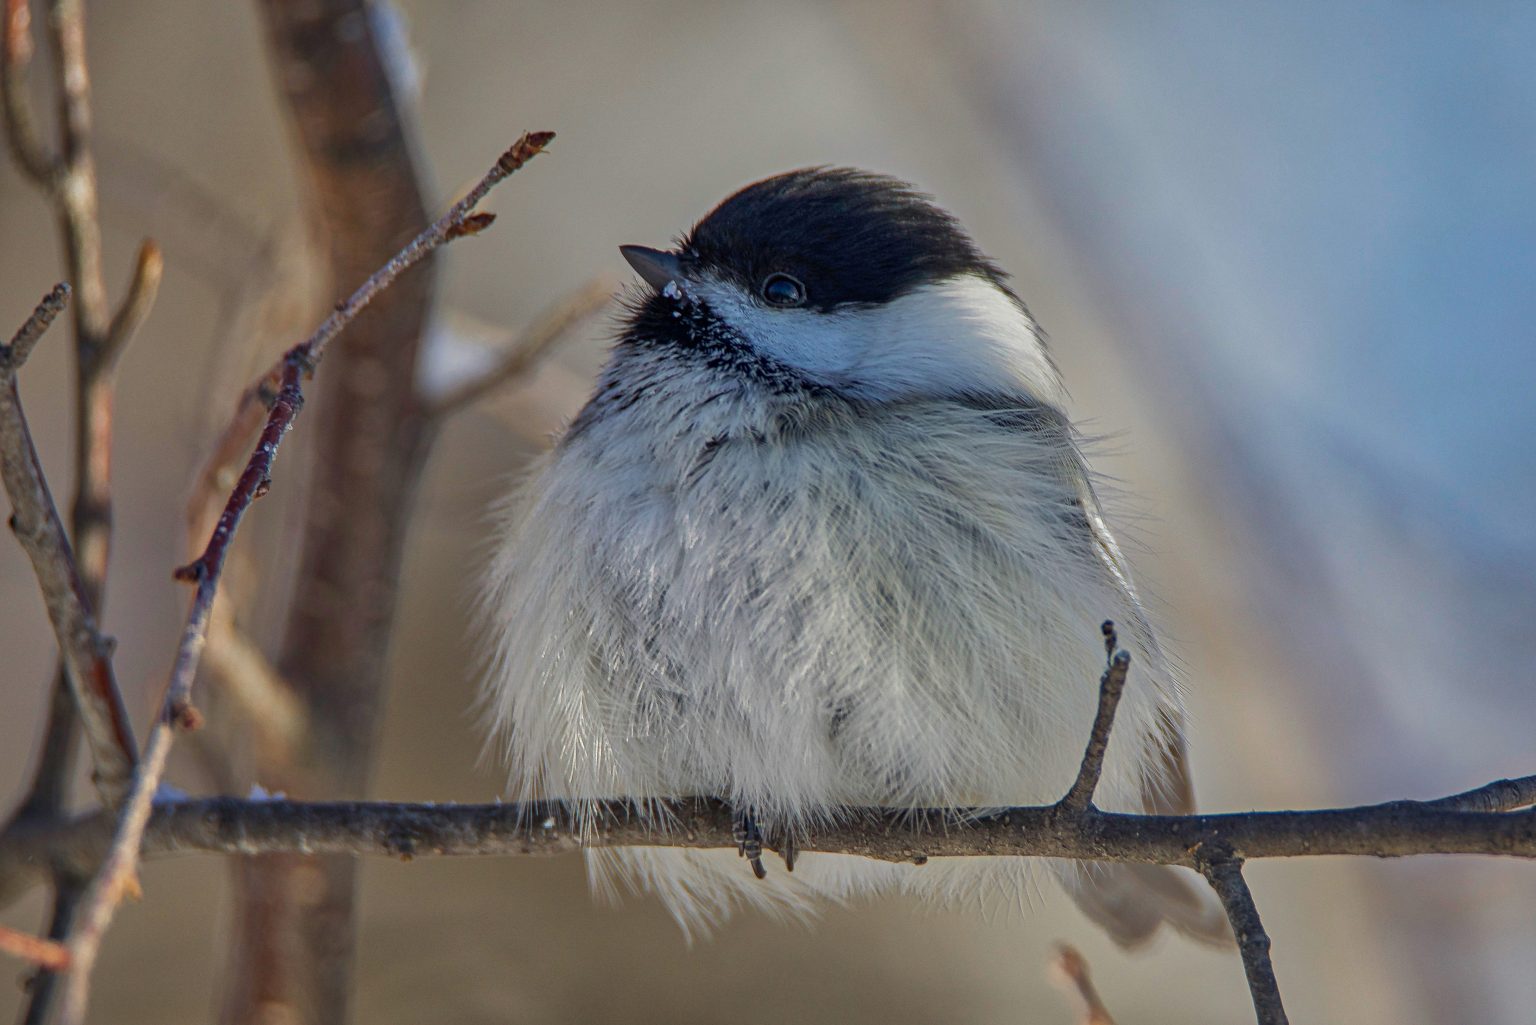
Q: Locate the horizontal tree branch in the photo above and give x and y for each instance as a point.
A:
(230, 825)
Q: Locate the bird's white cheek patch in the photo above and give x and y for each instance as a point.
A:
(958, 336)
(816, 344)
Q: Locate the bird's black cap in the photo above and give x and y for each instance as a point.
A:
(852, 237)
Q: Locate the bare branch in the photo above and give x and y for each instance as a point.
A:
(218, 473)
(43, 953)
(66, 33)
(1072, 968)
(229, 825)
(68, 177)
(87, 655)
(20, 125)
(31, 331)
(519, 358)
(443, 230)
(118, 869)
(1111, 686)
(1500, 795)
(69, 180)
(1224, 870)
(137, 302)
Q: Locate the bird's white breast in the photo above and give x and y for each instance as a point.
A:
(800, 604)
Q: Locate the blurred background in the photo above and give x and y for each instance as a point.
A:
(1285, 254)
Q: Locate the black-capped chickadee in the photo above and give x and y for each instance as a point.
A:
(824, 537)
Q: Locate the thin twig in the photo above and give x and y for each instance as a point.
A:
(43, 953)
(31, 331)
(120, 864)
(87, 655)
(1072, 969)
(68, 177)
(1111, 685)
(1224, 870)
(20, 125)
(254, 399)
(218, 472)
(44, 983)
(445, 229)
(148, 267)
(523, 355)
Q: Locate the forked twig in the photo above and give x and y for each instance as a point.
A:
(1224, 870)
(87, 655)
(67, 175)
(118, 868)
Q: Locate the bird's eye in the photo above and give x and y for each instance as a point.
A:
(783, 290)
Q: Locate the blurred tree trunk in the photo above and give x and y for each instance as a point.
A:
(293, 946)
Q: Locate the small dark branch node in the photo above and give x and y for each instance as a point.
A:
(185, 716)
(303, 356)
(402, 843)
(192, 573)
(474, 224)
(1224, 870)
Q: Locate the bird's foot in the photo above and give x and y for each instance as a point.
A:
(749, 841)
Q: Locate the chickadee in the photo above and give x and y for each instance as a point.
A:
(824, 537)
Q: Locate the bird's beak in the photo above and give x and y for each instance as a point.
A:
(658, 268)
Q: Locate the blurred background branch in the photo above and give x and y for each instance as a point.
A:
(357, 162)
(66, 174)
(1072, 969)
